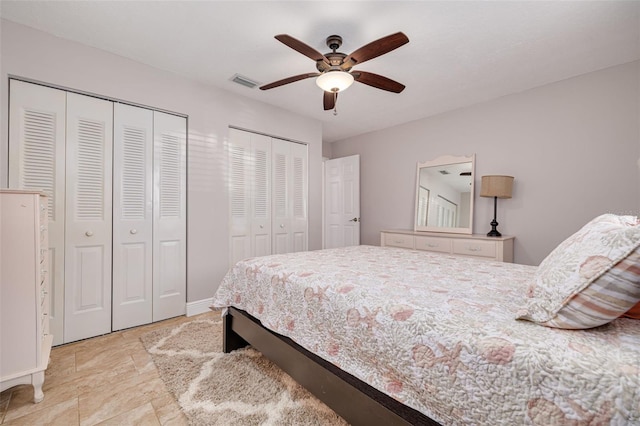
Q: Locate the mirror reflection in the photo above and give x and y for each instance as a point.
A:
(444, 195)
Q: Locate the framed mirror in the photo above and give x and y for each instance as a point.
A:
(444, 195)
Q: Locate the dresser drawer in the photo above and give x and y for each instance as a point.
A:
(398, 240)
(475, 248)
(479, 246)
(442, 245)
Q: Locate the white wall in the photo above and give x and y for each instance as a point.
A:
(573, 147)
(35, 55)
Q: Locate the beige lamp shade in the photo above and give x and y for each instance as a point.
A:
(496, 186)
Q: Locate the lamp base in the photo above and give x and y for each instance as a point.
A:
(494, 232)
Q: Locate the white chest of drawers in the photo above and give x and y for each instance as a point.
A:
(480, 246)
(25, 340)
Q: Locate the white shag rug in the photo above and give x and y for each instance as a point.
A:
(239, 388)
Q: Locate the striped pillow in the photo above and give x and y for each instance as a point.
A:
(609, 296)
(590, 279)
(633, 312)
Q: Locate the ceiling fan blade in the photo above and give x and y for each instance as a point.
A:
(301, 47)
(378, 81)
(375, 49)
(329, 100)
(289, 80)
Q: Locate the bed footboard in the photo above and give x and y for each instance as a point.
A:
(355, 401)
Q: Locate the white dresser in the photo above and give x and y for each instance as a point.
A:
(25, 341)
(480, 246)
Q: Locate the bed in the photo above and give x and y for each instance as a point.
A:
(393, 336)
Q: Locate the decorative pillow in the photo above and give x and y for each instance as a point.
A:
(590, 279)
(633, 312)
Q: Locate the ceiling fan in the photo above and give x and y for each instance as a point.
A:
(335, 72)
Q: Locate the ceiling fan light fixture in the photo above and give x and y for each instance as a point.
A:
(335, 81)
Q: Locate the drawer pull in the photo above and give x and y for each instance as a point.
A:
(133, 231)
(88, 233)
(474, 249)
(431, 245)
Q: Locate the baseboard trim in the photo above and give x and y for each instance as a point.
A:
(199, 306)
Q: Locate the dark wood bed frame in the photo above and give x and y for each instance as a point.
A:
(355, 401)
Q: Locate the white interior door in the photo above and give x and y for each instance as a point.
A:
(36, 161)
(88, 217)
(169, 222)
(132, 216)
(342, 202)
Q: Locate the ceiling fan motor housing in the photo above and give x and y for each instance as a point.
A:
(334, 42)
(334, 58)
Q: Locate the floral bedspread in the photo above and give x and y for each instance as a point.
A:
(438, 333)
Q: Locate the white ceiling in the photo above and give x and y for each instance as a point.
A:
(460, 53)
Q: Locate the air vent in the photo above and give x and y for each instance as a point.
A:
(247, 82)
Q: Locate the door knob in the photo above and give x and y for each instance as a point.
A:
(282, 225)
(88, 233)
(355, 219)
(133, 231)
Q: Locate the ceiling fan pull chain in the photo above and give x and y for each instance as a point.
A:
(335, 103)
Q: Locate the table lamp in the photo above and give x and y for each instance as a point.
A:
(496, 186)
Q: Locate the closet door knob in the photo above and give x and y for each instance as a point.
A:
(261, 226)
(133, 231)
(88, 233)
(282, 225)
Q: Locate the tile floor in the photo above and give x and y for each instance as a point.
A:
(106, 380)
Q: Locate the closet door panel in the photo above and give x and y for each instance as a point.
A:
(240, 176)
(88, 217)
(132, 216)
(169, 222)
(299, 214)
(36, 161)
(281, 216)
(260, 195)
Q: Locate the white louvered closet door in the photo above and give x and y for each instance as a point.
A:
(169, 222)
(132, 216)
(281, 196)
(299, 216)
(260, 195)
(250, 195)
(88, 217)
(289, 196)
(240, 177)
(36, 161)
